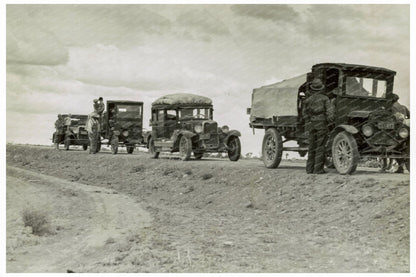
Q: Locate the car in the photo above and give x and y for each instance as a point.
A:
(183, 123)
(76, 134)
(123, 125)
(365, 125)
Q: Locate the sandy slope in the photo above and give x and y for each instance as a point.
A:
(207, 216)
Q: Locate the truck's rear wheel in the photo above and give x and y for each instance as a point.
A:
(272, 148)
(345, 153)
(152, 150)
(185, 148)
(130, 149)
(234, 148)
(198, 155)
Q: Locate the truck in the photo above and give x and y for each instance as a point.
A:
(365, 124)
(75, 134)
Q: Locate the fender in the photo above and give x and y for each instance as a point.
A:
(179, 133)
(232, 133)
(343, 127)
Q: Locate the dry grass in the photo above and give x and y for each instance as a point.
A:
(38, 220)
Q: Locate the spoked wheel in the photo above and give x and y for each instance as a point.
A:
(234, 148)
(345, 153)
(67, 142)
(198, 155)
(272, 148)
(114, 145)
(152, 150)
(185, 148)
(130, 149)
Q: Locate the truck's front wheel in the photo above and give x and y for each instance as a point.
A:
(234, 148)
(345, 153)
(272, 148)
(185, 148)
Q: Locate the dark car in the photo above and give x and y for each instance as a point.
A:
(76, 134)
(184, 123)
(123, 124)
(365, 125)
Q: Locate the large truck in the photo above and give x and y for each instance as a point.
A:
(365, 125)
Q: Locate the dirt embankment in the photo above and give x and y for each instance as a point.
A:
(211, 215)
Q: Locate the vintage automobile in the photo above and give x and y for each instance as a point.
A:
(76, 133)
(123, 125)
(365, 124)
(184, 123)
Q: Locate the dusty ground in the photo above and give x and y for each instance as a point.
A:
(130, 213)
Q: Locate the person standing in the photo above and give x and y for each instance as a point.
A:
(99, 108)
(67, 121)
(93, 128)
(318, 114)
(402, 113)
(59, 131)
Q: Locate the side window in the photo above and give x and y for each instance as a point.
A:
(160, 115)
(332, 78)
(170, 114)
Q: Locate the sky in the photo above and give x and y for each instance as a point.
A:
(61, 57)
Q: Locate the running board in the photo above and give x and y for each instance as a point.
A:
(295, 148)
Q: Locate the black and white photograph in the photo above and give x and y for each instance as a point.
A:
(206, 137)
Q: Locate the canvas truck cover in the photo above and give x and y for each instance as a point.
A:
(279, 99)
(182, 98)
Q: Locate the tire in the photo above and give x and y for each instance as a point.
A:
(85, 147)
(152, 151)
(67, 142)
(407, 164)
(198, 155)
(114, 145)
(272, 148)
(185, 148)
(234, 148)
(130, 149)
(345, 153)
(98, 145)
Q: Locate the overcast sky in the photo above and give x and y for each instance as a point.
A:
(61, 57)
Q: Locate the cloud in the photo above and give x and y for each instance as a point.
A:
(276, 13)
(29, 44)
(201, 22)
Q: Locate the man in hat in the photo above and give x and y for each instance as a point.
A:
(67, 121)
(318, 114)
(59, 127)
(99, 108)
(93, 128)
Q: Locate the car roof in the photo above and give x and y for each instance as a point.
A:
(124, 102)
(358, 67)
(182, 99)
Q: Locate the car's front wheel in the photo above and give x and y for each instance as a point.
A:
(234, 148)
(185, 148)
(345, 154)
(152, 150)
(272, 148)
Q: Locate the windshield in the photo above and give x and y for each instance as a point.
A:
(369, 87)
(194, 113)
(128, 111)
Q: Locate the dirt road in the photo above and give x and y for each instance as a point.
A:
(203, 216)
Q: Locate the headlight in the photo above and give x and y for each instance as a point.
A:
(117, 133)
(198, 128)
(367, 130)
(125, 133)
(403, 132)
(225, 129)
